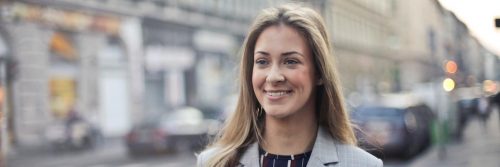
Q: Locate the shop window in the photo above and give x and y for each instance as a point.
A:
(63, 73)
(62, 96)
(62, 47)
(113, 55)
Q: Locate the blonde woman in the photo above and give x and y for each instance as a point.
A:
(290, 110)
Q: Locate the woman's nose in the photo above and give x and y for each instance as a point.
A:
(275, 75)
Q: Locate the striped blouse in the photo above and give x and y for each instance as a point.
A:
(273, 160)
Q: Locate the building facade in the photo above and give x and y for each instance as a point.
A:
(68, 61)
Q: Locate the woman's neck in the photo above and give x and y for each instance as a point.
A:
(291, 135)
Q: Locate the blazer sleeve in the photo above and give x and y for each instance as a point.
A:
(379, 163)
(354, 156)
(199, 160)
(369, 159)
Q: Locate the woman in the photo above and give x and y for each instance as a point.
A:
(290, 109)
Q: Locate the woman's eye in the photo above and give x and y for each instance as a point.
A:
(291, 62)
(260, 61)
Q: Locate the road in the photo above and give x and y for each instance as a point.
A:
(111, 154)
(480, 147)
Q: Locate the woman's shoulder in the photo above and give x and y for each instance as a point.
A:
(353, 154)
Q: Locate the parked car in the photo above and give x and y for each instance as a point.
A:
(388, 131)
(182, 128)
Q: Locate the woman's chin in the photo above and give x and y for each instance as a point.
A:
(277, 114)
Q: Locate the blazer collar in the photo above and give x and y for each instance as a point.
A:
(324, 151)
(250, 157)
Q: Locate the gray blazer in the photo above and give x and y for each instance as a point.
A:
(326, 152)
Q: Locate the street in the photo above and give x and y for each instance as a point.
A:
(111, 154)
(479, 147)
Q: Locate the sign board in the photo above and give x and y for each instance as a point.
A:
(168, 58)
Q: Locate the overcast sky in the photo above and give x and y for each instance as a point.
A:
(479, 16)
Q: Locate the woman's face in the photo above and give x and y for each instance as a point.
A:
(283, 72)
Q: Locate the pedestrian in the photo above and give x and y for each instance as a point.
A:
(290, 110)
(495, 103)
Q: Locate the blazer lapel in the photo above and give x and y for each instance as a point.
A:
(250, 157)
(324, 151)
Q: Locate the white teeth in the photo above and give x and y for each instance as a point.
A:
(280, 93)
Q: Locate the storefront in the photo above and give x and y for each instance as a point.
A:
(186, 65)
(168, 61)
(216, 68)
(72, 61)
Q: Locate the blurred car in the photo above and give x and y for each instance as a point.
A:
(180, 129)
(388, 131)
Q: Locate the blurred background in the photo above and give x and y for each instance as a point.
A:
(115, 83)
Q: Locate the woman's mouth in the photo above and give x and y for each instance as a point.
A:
(277, 93)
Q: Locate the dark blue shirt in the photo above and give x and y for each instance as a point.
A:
(272, 160)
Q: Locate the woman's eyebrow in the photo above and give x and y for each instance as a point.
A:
(291, 53)
(262, 53)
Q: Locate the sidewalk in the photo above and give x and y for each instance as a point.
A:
(479, 147)
(32, 153)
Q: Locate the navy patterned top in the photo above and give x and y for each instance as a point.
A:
(273, 160)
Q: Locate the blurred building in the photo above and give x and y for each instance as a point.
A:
(69, 60)
(365, 41)
(117, 62)
(392, 46)
(5, 62)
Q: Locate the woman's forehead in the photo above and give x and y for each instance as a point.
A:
(281, 40)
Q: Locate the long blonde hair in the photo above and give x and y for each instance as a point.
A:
(245, 126)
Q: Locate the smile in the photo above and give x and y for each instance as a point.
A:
(278, 93)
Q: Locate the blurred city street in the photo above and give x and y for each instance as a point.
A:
(480, 146)
(110, 154)
(122, 83)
